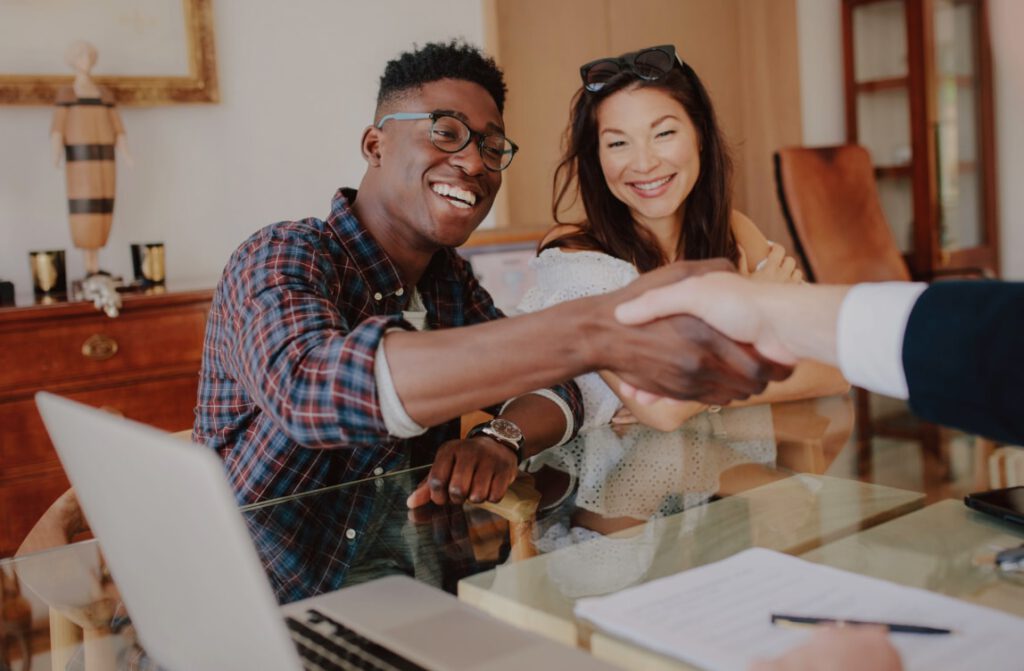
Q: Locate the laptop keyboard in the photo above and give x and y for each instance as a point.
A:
(326, 645)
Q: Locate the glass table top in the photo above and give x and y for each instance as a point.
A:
(617, 506)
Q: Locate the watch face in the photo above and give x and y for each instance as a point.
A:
(506, 429)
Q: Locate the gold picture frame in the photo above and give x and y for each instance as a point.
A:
(199, 86)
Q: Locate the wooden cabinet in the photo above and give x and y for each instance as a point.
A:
(143, 364)
(918, 77)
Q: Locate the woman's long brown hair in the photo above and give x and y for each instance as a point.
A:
(609, 227)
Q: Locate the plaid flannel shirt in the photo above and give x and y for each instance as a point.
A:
(287, 394)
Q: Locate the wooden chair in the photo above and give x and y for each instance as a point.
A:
(1005, 465)
(15, 623)
(830, 202)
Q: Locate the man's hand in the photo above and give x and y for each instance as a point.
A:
(834, 649)
(680, 356)
(733, 305)
(476, 469)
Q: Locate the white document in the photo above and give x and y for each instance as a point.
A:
(719, 616)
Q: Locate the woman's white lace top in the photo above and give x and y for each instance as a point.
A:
(564, 276)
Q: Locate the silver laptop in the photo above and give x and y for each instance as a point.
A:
(197, 593)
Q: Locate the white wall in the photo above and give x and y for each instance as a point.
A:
(1008, 50)
(818, 26)
(298, 84)
(821, 86)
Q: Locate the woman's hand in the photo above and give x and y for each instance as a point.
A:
(777, 267)
(624, 416)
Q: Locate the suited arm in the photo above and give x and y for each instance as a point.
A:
(964, 360)
(953, 347)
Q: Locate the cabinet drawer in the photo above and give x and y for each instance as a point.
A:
(166, 403)
(23, 502)
(95, 347)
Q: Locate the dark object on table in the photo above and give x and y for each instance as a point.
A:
(1006, 504)
(148, 263)
(6, 293)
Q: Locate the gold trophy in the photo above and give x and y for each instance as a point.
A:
(48, 276)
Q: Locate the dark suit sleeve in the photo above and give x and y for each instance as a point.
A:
(963, 354)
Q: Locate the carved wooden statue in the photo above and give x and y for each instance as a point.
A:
(86, 130)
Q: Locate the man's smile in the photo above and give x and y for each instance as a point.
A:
(457, 196)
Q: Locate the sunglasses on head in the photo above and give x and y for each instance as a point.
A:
(649, 64)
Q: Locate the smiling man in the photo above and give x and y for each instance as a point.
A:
(332, 350)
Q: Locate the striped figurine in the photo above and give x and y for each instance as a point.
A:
(86, 129)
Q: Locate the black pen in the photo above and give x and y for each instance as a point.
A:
(802, 621)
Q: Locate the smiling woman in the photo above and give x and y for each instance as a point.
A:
(650, 162)
(650, 157)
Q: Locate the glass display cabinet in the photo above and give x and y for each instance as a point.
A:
(918, 80)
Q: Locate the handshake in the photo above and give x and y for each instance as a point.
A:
(686, 331)
(709, 334)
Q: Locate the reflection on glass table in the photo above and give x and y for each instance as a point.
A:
(616, 506)
(945, 548)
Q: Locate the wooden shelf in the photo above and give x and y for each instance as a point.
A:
(893, 171)
(891, 83)
(906, 169)
(962, 81)
(858, 3)
(884, 84)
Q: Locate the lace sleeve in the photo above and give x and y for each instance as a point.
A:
(563, 276)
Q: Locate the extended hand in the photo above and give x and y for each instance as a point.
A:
(731, 304)
(682, 357)
(478, 469)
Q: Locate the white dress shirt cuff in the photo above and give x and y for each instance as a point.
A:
(557, 400)
(869, 335)
(398, 422)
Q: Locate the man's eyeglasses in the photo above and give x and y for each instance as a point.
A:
(650, 64)
(451, 134)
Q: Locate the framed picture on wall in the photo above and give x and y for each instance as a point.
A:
(151, 52)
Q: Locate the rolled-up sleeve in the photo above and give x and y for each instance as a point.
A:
(480, 308)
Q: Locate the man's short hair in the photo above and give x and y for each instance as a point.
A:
(441, 60)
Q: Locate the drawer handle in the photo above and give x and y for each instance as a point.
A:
(99, 347)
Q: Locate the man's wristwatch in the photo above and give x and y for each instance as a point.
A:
(503, 431)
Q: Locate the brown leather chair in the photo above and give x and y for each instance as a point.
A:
(830, 202)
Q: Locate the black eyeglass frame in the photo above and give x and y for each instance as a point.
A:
(627, 63)
(473, 135)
